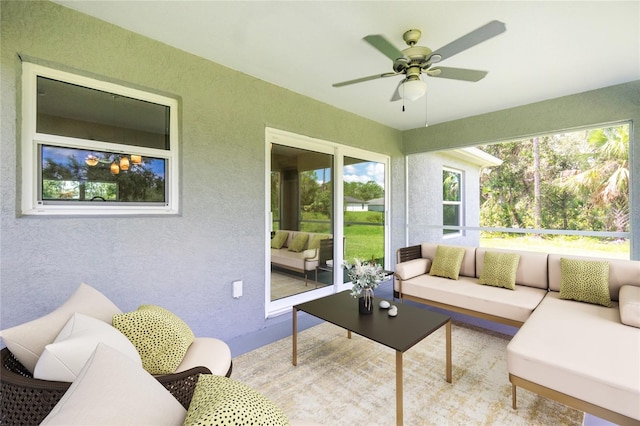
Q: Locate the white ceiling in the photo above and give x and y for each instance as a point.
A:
(550, 49)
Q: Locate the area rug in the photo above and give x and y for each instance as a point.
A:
(352, 382)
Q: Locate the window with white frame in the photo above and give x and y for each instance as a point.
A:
(451, 201)
(94, 147)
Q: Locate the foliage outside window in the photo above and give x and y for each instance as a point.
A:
(92, 147)
(451, 201)
(574, 181)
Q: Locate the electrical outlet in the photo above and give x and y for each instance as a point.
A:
(237, 289)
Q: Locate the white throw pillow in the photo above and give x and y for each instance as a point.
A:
(63, 359)
(112, 390)
(27, 341)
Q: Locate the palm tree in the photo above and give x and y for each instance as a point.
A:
(606, 174)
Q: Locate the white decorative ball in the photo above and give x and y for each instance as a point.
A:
(384, 304)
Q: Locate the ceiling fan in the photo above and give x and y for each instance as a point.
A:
(416, 60)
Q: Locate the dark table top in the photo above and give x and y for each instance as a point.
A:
(401, 332)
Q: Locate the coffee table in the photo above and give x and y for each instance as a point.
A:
(400, 333)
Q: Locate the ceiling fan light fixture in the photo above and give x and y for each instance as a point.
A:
(413, 89)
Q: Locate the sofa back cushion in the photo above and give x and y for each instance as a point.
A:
(313, 237)
(621, 272)
(468, 267)
(532, 268)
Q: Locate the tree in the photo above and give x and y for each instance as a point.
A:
(605, 179)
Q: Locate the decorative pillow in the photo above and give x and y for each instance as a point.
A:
(112, 390)
(499, 269)
(447, 262)
(222, 401)
(160, 337)
(298, 242)
(629, 299)
(314, 243)
(63, 359)
(27, 341)
(585, 281)
(278, 240)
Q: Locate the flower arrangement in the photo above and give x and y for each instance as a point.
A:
(365, 276)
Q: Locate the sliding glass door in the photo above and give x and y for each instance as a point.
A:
(334, 194)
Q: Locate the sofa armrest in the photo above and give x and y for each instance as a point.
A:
(412, 268)
(311, 254)
(408, 253)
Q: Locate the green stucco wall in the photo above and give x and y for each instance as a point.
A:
(187, 262)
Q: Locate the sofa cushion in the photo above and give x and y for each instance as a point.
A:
(161, 338)
(630, 305)
(207, 352)
(532, 268)
(499, 269)
(113, 390)
(447, 262)
(412, 268)
(63, 359)
(585, 281)
(223, 401)
(278, 240)
(466, 293)
(581, 350)
(27, 341)
(621, 272)
(298, 243)
(314, 242)
(468, 267)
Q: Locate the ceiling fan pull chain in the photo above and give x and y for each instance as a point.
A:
(426, 102)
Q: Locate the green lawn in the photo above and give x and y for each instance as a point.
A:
(364, 242)
(582, 246)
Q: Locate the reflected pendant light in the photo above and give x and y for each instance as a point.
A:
(124, 163)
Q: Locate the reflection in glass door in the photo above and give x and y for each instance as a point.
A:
(302, 225)
(364, 210)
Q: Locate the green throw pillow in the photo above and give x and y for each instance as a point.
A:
(315, 240)
(585, 281)
(278, 240)
(447, 262)
(298, 242)
(499, 269)
(161, 338)
(218, 400)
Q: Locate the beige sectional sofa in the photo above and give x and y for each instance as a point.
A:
(583, 355)
(302, 261)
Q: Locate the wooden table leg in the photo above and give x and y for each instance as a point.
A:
(448, 329)
(348, 334)
(399, 407)
(294, 335)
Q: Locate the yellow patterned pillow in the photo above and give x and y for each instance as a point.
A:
(447, 262)
(218, 400)
(315, 240)
(499, 269)
(161, 338)
(298, 242)
(585, 281)
(278, 240)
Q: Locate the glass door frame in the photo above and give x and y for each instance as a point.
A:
(281, 137)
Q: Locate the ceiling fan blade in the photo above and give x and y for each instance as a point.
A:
(483, 33)
(384, 46)
(362, 79)
(457, 73)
